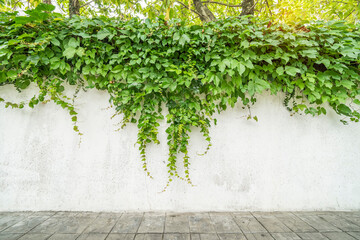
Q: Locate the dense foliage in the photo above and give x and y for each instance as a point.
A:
(193, 71)
(195, 11)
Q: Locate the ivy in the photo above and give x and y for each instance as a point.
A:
(194, 71)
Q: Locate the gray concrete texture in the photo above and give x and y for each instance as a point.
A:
(180, 226)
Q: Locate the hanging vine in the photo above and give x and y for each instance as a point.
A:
(192, 70)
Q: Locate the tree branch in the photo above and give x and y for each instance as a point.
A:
(267, 3)
(85, 4)
(349, 14)
(187, 7)
(224, 4)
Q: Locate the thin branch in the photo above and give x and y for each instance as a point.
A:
(84, 5)
(187, 7)
(224, 4)
(349, 14)
(267, 3)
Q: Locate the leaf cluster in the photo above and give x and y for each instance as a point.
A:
(193, 71)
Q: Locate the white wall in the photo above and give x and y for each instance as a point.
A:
(279, 163)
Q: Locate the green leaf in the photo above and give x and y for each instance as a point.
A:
(344, 110)
(23, 20)
(45, 7)
(280, 70)
(173, 86)
(241, 68)
(69, 52)
(310, 53)
(117, 69)
(184, 39)
(73, 43)
(11, 74)
(80, 51)
(103, 33)
(176, 36)
(222, 66)
(357, 101)
(292, 70)
(55, 42)
(346, 83)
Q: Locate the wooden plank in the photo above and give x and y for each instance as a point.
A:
(195, 236)
(258, 236)
(64, 236)
(248, 224)
(121, 236)
(149, 236)
(338, 236)
(355, 234)
(224, 223)
(294, 223)
(316, 222)
(128, 223)
(92, 236)
(231, 236)
(209, 236)
(340, 222)
(9, 219)
(26, 224)
(101, 225)
(51, 225)
(176, 236)
(35, 236)
(201, 223)
(312, 236)
(66, 214)
(152, 223)
(285, 236)
(271, 223)
(177, 223)
(10, 236)
(75, 224)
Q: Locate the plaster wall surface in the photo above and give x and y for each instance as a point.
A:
(278, 163)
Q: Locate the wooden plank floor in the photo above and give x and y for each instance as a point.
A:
(179, 226)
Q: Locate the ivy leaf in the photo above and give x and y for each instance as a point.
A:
(280, 70)
(176, 36)
(344, 110)
(222, 66)
(173, 86)
(346, 83)
(23, 20)
(33, 59)
(73, 43)
(69, 52)
(184, 39)
(80, 51)
(241, 68)
(103, 33)
(55, 42)
(11, 74)
(357, 101)
(310, 53)
(117, 69)
(45, 7)
(291, 70)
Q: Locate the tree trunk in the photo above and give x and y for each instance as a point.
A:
(204, 12)
(247, 7)
(47, 1)
(74, 7)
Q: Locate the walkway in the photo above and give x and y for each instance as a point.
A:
(181, 226)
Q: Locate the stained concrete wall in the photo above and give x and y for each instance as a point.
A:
(278, 163)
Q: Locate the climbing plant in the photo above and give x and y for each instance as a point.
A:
(193, 71)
